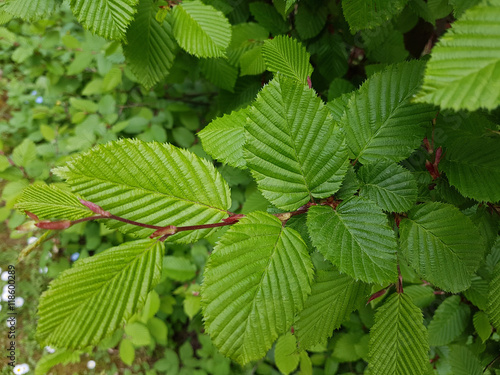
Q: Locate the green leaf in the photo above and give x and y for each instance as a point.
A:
(30, 10)
(398, 340)
(97, 295)
(288, 57)
(494, 298)
(112, 79)
(389, 185)
(310, 20)
(293, 147)
(345, 346)
(219, 72)
(127, 352)
(464, 69)
(442, 245)
(362, 14)
(63, 357)
(83, 105)
(106, 18)
(24, 153)
(285, 354)
(356, 238)
(158, 330)
(449, 321)
(334, 296)
(252, 62)
(151, 48)
(257, 278)
(266, 15)
(179, 268)
(200, 29)
(421, 295)
(81, 61)
(152, 183)
(472, 166)
(482, 325)
(463, 362)
(50, 202)
(380, 121)
(224, 137)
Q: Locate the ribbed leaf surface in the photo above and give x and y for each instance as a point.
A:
(380, 122)
(151, 183)
(363, 14)
(463, 362)
(356, 238)
(30, 9)
(219, 72)
(398, 339)
(98, 294)
(449, 321)
(257, 278)
(201, 30)
(50, 202)
(464, 69)
(494, 298)
(442, 245)
(224, 138)
(333, 297)
(472, 165)
(106, 18)
(287, 56)
(293, 148)
(389, 185)
(150, 50)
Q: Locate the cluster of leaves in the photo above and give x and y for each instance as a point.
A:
(394, 182)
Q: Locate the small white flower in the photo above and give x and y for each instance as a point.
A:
(5, 276)
(32, 240)
(21, 369)
(43, 270)
(10, 323)
(5, 288)
(91, 365)
(5, 296)
(49, 349)
(19, 302)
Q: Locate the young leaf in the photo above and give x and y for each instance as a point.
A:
(151, 48)
(494, 298)
(106, 18)
(442, 245)
(285, 354)
(398, 339)
(356, 238)
(464, 362)
(50, 202)
(30, 10)
(389, 185)
(449, 321)
(380, 121)
(151, 183)
(464, 69)
(257, 278)
(292, 146)
(288, 57)
(334, 296)
(201, 30)
(361, 14)
(224, 137)
(472, 165)
(252, 62)
(97, 295)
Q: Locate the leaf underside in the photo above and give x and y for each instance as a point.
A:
(257, 278)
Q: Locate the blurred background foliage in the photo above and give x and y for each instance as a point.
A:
(64, 90)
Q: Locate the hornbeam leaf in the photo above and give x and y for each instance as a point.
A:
(442, 245)
(293, 148)
(389, 185)
(220, 72)
(333, 297)
(97, 295)
(361, 14)
(494, 298)
(464, 69)
(472, 165)
(201, 30)
(224, 137)
(380, 122)
(288, 57)
(464, 362)
(257, 278)
(356, 238)
(398, 339)
(449, 321)
(106, 18)
(152, 183)
(151, 48)
(29, 10)
(50, 202)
